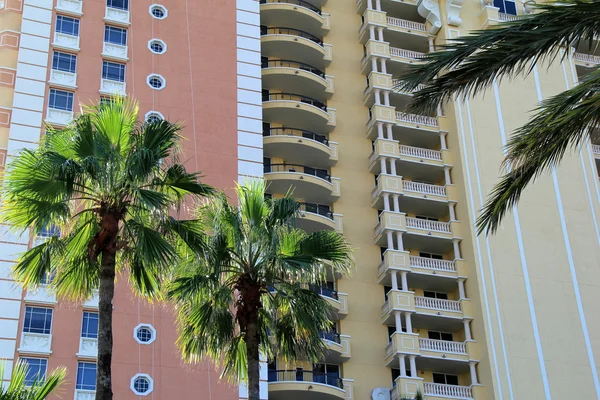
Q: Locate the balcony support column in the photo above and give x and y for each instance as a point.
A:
(390, 241)
(396, 203)
(404, 275)
(380, 130)
(467, 325)
(402, 365)
(474, 380)
(400, 243)
(431, 45)
(380, 34)
(386, 201)
(374, 64)
(383, 67)
(393, 166)
(456, 249)
(461, 289)
(452, 213)
(377, 97)
(413, 366)
(447, 176)
(383, 165)
(394, 275)
(378, 5)
(386, 98)
(443, 140)
(388, 128)
(370, 4)
(371, 32)
(407, 319)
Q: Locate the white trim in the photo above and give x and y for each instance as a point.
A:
(153, 113)
(161, 7)
(159, 76)
(147, 326)
(150, 384)
(158, 41)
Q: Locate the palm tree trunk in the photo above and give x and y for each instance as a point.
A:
(105, 336)
(252, 347)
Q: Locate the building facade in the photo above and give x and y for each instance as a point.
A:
(300, 93)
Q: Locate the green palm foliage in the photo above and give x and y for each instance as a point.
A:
(471, 64)
(418, 396)
(103, 182)
(247, 292)
(20, 389)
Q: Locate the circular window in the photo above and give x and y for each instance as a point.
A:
(157, 46)
(156, 82)
(142, 384)
(153, 116)
(144, 334)
(157, 11)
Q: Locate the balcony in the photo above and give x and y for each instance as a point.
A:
(407, 26)
(66, 42)
(88, 348)
(338, 347)
(401, 343)
(71, 7)
(63, 79)
(586, 60)
(406, 56)
(429, 305)
(112, 88)
(81, 394)
(307, 183)
(391, 221)
(92, 302)
(596, 150)
(395, 260)
(290, 44)
(307, 385)
(444, 349)
(410, 192)
(35, 343)
(291, 109)
(298, 145)
(117, 16)
(433, 390)
(294, 14)
(398, 300)
(40, 295)
(59, 117)
(339, 301)
(416, 121)
(297, 77)
(397, 29)
(114, 51)
(314, 217)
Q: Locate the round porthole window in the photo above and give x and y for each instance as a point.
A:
(157, 46)
(144, 334)
(142, 384)
(157, 11)
(153, 116)
(156, 82)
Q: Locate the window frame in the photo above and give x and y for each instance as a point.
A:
(148, 379)
(151, 114)
(160, 42)
(56, 55)
(441, 335)
(149, 327)
(501, 5)
(122, 32)
(110, 64)
(53, 95)
(150, 77)
(30, 380)
(85, 331)
(45, 330)
(125, 6)
(445, 376)
(158, 7)
(444, 296)
(84, 366)
(59, 26)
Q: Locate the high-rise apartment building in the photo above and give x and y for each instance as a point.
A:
(300, 92)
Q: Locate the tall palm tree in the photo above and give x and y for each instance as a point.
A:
(103, 182)
(19, 388)
(247, 291)
(470, 64)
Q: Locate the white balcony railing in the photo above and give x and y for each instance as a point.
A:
(40, 295)
(117, 16)
(443, 346)
(427, 225)
(70, 6)
(420, 152)
(596, 149)
(432, 263)
(416, 119)
(81, 394)
(507, 17)
(111, 87)
(587, 58)
(402, 23)
(415, 55)
(65, 41)
(35, 343)
(424, 188)
(440, 390)
(92, 302)
(88, 347)
(437, 304)
(111, 50)
(63, 78)
(396, 82)
(59, 117)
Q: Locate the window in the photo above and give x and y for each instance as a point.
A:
(157, 46)
(157, 11)
(89, 327)
(64, 62)
(37, 320)
(119, 4)
(435, 295)
(144, 334)
(67, 25)
(115, 35)
(60, 100)
(440, 336)
(142, 384)
(431, 255)
(47, 278)
(36, 370)
(113, 71)
(426, 218)
(506, 6)
(86, 376)
(328, 374)
(154, 116)
(445, 379)
(156, 81)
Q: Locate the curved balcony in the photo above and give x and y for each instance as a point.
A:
(315, 217)
(396, 260)
(339, 301)
(299, 14)
(410, 194)
(296, 77)
(306, 182)
(296, 145)
(299, 384)
(291, 109)
(290, 44)
(338, 347)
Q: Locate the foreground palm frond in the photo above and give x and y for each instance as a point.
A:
(19, 388)
(248, 290)
(471, 64)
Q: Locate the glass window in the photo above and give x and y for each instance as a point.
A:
(115, 35)
(157, 47)
(158, 12)
(64, 62)
(431, 255)
(144, 334)
(445, 379)
(67, 25)
(86, 376)
(435, 295)
(60, 100)
(89, 327)
(155, 82)
(49, 231)
(113, 71)
(37, 320)
(141, 385)
(506, 7)
(120, 4)
(36, 370)
(152, 118)
(440, 336)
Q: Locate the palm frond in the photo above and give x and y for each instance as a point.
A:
(20, 389)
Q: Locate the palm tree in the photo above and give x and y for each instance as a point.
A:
(247, 292)
(471, 64)
(20, 388)
(103, 182)
(418, 396)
